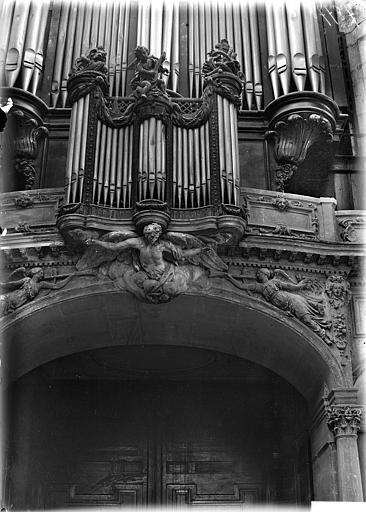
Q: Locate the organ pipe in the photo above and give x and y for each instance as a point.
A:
(16, 41)
(297, 49)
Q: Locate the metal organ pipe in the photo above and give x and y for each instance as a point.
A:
(16, 42)
(297, 50)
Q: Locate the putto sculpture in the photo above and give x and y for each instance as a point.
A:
(148, 70)
(282, 292)
(155, 267)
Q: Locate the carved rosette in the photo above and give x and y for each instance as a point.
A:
(344, 420)
(293, 138)
(28, 134)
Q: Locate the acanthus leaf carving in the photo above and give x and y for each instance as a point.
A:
(344, 420)
(293, 138)
(27, 136)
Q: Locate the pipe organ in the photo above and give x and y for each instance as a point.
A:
(287, 53)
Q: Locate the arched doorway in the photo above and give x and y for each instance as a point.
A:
(201, 400)
(135, 425)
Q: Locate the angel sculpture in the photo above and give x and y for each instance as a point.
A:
(154, 267)
(26, 288)
(279, 292)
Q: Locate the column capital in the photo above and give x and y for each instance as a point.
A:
(344, 420)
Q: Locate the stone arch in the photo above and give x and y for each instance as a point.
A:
(98, 316)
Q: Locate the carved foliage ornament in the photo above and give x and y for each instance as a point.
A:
(344, 420)
(292, 140)
(28, 135)
(339, 294)
(338, 290)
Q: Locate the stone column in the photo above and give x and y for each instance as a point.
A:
(344, 421)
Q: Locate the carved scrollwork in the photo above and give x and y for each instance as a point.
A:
(354, 229)
(292, 139)
(344, 420)
(27, 136)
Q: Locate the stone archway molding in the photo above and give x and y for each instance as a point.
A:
(97, 316)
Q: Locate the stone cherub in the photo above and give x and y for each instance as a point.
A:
(148, 68)
(282, 293)
(222, 59)
(26, 288)
(154, 267)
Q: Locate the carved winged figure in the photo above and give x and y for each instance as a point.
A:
(281, 291)
(20, 291)
(154, 267)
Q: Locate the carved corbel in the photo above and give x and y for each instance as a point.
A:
(293, 137)
(344, 420)
(28, 134)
